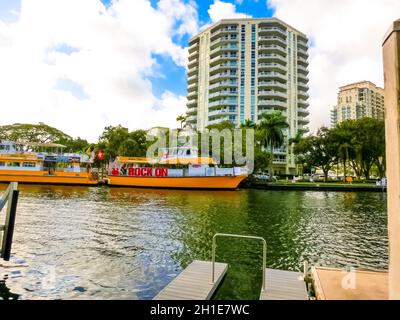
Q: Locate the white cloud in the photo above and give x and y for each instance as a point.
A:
(224, 10)
(111, 59)
(347, 37)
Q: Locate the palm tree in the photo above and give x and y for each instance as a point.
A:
(181, 119)
(271, 128)
(248, 124)
(295, 141)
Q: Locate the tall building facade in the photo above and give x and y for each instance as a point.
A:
(358, 100)
(241, 68)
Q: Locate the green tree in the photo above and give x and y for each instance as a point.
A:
(25, 132)
(248, 123)
(271, 134)
(317, 151)
(181, 119)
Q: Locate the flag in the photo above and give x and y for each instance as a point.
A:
(88, 152)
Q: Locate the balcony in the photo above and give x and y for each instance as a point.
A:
(272, 94)
(303, 46)
(193, 71)
(272, 85)
(272, 39)
(303, 95)
(193, 47)
(222, 58)
(192, 94)
(222, 112)
(302, 78)
(191, 111)
(223, 84)
(272, 30)
(271, 75)
(192, 102)
(228, 47)
(301, 69)
(303, 103)
(192, 79)
(222, 41)
(218, 120)
(263, 104)
(223, 31)
(303, 113)
(272, 66)
(222, 103)
(192, 86)
(270, 110)
(222, 94)
(224, 75)
(193, 63)
(191, 119)
(302, 61)
(303, 87)
(263, 57)
(272, 48)
(193, 55)
(303, 121)
(224, 66)
(302, 53)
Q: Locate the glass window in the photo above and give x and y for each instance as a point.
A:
(28, 164)
(13, 164)
(2, 164)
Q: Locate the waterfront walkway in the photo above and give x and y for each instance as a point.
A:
(194, 283)
(284, 285)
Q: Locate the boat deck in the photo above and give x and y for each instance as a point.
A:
(337, 284)
(284, 285)
(194, 283)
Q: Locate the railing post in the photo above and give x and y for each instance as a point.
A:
(214, 244)
(264, 262)
(8, 230)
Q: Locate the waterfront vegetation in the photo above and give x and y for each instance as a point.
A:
(353, 148)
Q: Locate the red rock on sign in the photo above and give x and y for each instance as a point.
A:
(100, 155)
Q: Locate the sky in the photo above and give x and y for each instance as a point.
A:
(82, 65)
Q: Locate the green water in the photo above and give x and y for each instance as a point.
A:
(101, 243)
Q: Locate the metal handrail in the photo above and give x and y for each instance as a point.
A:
(264, 263)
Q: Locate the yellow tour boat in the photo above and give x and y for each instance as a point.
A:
(178, 168)
(18, 163)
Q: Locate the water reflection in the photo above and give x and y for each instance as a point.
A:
(128, 243)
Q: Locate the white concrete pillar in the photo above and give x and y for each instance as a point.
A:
(391, 60)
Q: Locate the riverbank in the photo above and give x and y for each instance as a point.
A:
(315, 186)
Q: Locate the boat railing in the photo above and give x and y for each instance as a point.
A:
(10, 196)
(264, 259)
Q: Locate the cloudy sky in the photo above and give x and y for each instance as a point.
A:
(81, 65)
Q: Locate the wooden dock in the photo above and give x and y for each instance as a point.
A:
(284, 285)
(194, 283)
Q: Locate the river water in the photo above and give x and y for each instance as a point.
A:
(121, 243)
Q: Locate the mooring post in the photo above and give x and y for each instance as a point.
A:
(8, 230)
(391, 61)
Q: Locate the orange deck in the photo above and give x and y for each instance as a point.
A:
(220, 182)
(43, 177)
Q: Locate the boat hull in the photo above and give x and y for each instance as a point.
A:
(42, 177)
(220, 182)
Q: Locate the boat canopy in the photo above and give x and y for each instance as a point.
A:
(187, 160)
(135, 160)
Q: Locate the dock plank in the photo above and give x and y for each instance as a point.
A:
(284, 285)
(194, 283)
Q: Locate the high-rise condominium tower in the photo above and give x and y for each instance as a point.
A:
(358, 100)
(242, 68)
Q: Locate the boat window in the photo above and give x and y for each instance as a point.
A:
(28, 164)
(188, 152)
(13, 164)
(2, 164)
